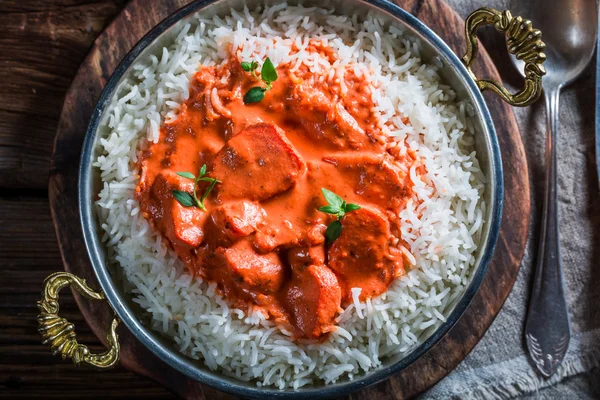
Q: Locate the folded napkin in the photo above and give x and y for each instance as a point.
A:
(498, 367)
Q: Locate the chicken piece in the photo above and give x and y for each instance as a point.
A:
(274, 234)
(360, 256)
(328, 122)
(238, 219)
(341, 133)
(292, 220)
(270, 237)
(250, 271)
(312, 298)
(348, 126)
(301, 257)
(256, 164)
(182, 226)
(373, 177)
(316, 234)
(322, 131)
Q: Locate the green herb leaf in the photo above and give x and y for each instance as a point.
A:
(207, 179)
(254, 95)
(332, 198)
(330, 209)
(188, 200)
(268, 72)
(184, 198)
(208, 190)
(338, 207)
(333, 231)
(188, 175)
(351, 207)
(246, 66)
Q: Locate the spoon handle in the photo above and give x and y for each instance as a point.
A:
(547, 330)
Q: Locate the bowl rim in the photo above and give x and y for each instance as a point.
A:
(181, 362)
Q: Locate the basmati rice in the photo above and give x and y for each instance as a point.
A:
(441, 227)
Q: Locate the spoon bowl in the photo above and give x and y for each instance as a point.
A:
(569, 32)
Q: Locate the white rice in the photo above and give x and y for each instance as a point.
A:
(441, 225)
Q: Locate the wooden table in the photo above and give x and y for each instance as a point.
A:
(42, 43)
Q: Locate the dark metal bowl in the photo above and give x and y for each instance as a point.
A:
(453, 73)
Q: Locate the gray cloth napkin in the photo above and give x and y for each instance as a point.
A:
(498, 367)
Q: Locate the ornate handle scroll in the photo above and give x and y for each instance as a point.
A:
(523, 42)
(60, 333)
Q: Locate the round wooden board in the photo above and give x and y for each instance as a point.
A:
(111, 46)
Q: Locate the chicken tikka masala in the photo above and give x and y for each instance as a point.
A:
(279, 187)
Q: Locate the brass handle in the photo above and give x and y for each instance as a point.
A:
(523, 41)
(60, 333)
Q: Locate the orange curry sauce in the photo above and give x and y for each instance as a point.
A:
(261, 237)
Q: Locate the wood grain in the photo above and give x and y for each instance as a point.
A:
(111, 46)
(28, 253)
(42, 45)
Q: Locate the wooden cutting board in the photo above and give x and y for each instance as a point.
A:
(129, 26)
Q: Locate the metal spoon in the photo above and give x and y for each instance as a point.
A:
(569, 31)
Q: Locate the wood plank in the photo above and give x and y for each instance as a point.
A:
(28, 253)
(41, 47)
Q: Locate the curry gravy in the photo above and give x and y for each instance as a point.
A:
(261, 237)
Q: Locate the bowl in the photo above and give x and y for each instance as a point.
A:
(454, 72)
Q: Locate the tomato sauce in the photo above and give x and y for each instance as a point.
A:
(261, 237)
